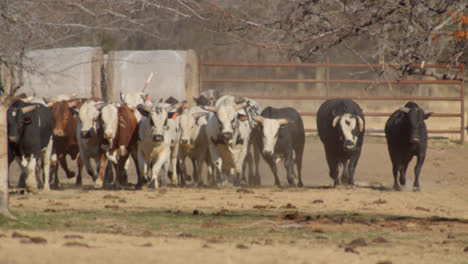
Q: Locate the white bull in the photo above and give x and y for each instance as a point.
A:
(194, 143)
(158, 143)
(228, 132)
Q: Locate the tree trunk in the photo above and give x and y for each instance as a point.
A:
(4, 210)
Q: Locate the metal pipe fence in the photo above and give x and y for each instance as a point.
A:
(328, 81)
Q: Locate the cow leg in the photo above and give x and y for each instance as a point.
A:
(396, 186)
(288, 165)
(54, 171)
(218, 164)
(89, 168)
(352, 168)
(80, 164)
(102, 170)
(173, 162)
(333, 165)
(163, 158)
(274, 169)
(256, 154)
(142, 165)
(46, 164)
(403, 170)
(63, 162)
(249, 162)
(30, 182)
(299, 152)
(417, 170)
(345, 174)
(197, 176)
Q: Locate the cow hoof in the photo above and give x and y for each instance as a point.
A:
(396, 188)
(416, 189)
(46, 188)
(300, 184)
(98, 184)
(71, 174)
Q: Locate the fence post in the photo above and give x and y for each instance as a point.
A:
(328, 77)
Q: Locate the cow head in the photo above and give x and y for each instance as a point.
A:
(158, 115)
(228, 119)
(350, 127)
(17, 119)
(61, 117)
(109, 118)
(189, 124)
(270, 129)
(416, 117)
(132, 100)
(89, 115)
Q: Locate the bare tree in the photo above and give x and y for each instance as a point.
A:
(396, 33)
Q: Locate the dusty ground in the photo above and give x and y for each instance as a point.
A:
(315, 224)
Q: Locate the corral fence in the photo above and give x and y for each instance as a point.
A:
(282, 84)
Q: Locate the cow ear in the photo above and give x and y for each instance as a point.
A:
(27, 120)
(360, 123)
(427, 114)
(242, 117)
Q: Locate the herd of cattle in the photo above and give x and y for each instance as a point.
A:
(228, 134)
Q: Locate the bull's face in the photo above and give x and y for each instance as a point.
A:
(270, 128)
(157, 116)
(189, 125)
(228, 120)
(350, 127)
(109, 118)
(416, 117)
(62, 115)
(17, 120)
(89, 115)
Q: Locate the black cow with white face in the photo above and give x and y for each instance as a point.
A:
(341, 126)
(30, 128)
(279, 135)
(406, 134)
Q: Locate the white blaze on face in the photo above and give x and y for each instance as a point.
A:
(270, 135)
(187, 125)
(88, 116)
(227, 116)
(348, 124)
(109, 116)
(159, 118)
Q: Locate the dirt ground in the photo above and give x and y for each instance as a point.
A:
(315, 224)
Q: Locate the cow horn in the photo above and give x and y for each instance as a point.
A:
(100, 105)
(27, 99)
(259, 119)
(360, 123)
(335, 121)
(239, 106)
(199, 114)
(122, 97)
(282, 121)
(28, 108)
(405, 109)
(427, 114)
(211, 108)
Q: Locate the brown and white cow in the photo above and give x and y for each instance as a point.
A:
(64, 136)
(120, 131)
